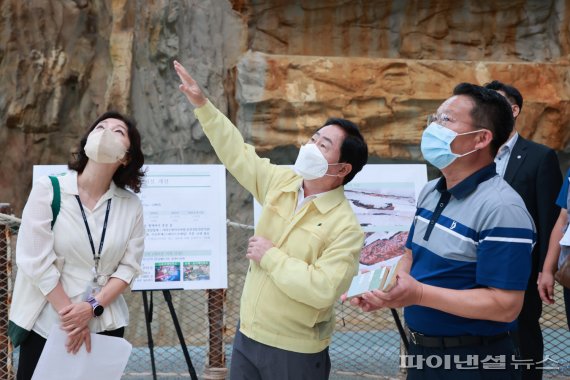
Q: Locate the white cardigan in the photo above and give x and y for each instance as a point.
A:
(45, 257)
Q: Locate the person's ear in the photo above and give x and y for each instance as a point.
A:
(516, 110)
(483, 139)
(345, 169)
(126, 159)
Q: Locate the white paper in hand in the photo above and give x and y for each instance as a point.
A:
(107, 359)
(383, 278)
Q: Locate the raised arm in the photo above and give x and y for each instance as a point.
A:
(239, 158)
(189, 87)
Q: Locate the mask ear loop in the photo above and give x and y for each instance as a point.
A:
(335, 175)
(126, 159)
(465, 154)
(470, 132)
(467, 133)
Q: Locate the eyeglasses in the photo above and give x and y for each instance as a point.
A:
(444, 119)
(441, 119)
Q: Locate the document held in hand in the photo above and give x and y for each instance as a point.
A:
(107, 360)
(383, 278)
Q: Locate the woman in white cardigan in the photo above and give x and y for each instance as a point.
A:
(72, 275)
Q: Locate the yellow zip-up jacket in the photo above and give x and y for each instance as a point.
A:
(288, 299)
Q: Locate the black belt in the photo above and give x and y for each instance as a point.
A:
(454, 341)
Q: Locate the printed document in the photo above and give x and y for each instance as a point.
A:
(107, 360)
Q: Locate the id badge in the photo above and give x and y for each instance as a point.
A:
(93, 288)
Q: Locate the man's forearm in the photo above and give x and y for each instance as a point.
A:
(483, 303)
(551, 261)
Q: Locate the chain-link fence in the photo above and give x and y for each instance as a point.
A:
(5, 292)
(365, 345)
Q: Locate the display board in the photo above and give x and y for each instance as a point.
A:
(383, 197)
(185, 221)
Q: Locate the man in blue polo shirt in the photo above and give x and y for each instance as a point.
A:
(469, 249)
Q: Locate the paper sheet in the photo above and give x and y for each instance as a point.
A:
(107, 359)
(382, 278)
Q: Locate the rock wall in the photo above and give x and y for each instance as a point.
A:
(63, 62)
(278, 68)
(389, 98)
(465, 30)
(389, 64)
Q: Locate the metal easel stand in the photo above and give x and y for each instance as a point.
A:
(148, 308)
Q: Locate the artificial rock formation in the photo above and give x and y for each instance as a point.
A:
(277, 68)
(519, 30)
(64, 62)
(389, 98)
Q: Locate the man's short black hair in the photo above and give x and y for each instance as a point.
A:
(491, 111)
(353, 149)
(511, 92)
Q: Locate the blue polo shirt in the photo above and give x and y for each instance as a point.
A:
(562, 199)
(564, 202)
(476, 234)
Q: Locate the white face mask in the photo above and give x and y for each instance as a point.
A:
(104, 147)
(310, 163)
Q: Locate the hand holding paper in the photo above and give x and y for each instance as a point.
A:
(73, 342)
(383, 278)
(399, 289)
(75, 317)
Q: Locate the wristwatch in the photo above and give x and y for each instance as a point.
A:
(97, 309)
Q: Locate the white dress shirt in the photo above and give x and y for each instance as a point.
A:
(45, 257)
(504, 153)
(301, 200)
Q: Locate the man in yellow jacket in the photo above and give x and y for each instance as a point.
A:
(305, 249)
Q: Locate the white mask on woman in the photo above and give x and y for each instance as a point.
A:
(104, 147)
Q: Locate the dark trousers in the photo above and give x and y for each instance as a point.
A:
(31, 350)
(252, 360)
(529, 333)
(465, 363)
